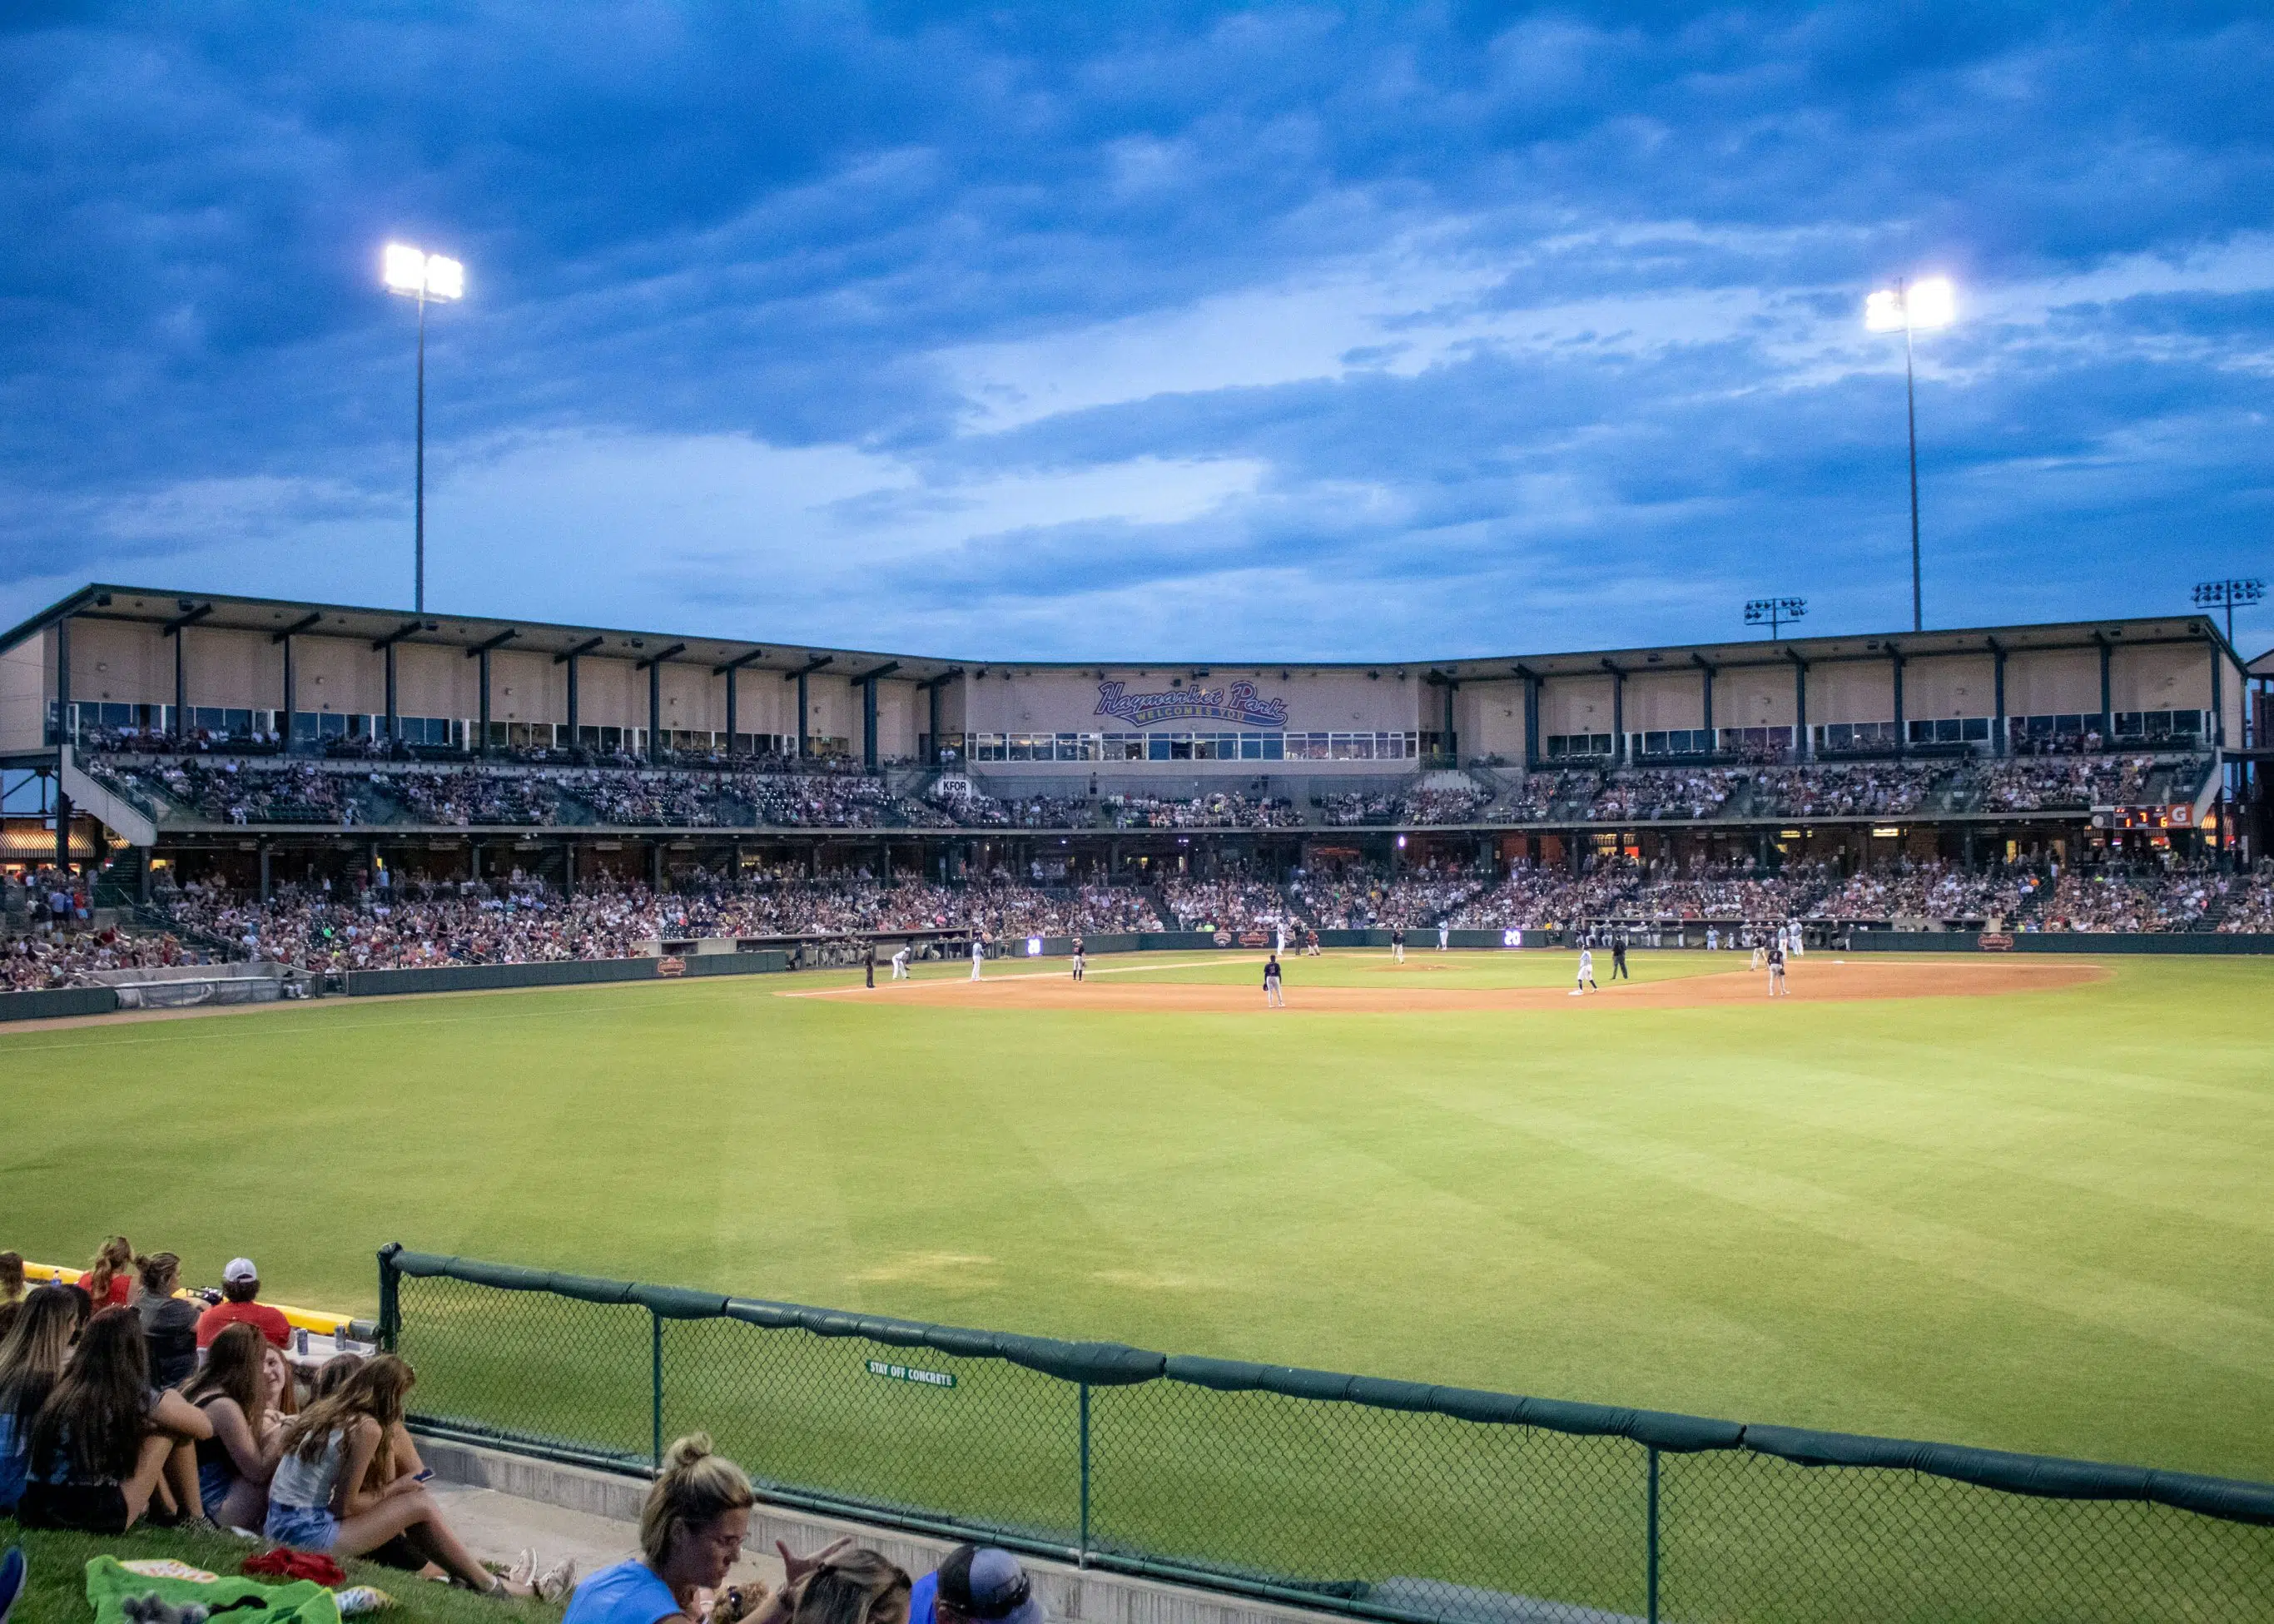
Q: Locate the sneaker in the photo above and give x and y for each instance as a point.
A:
(12, 1575)
(524, 1570)
(555, 1582)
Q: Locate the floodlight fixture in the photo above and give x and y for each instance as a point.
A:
(1920, 306)
(429, 278)
(1774, 613)
(2236, 589)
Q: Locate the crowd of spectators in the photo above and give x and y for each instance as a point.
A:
(1539, 796)
(517, 919)
(975, 810)
(1219, 809)
(235, 791)
(467, 798)
(1231, 903)
(1353, 809)
(1361, 896)
(1672, 792)
(1932, 890)
(1863, 789)
(2044, 783)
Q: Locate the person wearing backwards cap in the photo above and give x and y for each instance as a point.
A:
(240, 1284)
(976, 1584)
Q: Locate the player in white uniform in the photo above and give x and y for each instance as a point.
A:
(1587, 971)
(900, 962)
(978, 956)
(1444, 935)
(1797, 945)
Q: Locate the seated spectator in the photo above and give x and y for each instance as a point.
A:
(32, 1355)
(331, 1376)
(11, 1289)
(240, 1284)
(107, 1444)
(169, 1322)
(976, 1584)
(107, 1282)
(691, 1529)
(234, 1389)
(320, 1498)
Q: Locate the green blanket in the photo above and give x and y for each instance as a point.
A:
(303, 1601)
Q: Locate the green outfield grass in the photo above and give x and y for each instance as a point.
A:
(2035, 1222)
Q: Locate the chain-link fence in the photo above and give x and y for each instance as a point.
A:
(1382, 1499)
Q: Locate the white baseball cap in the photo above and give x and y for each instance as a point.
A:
(240, 1270)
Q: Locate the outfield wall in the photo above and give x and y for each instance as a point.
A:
(2198, 942)
(565, 973)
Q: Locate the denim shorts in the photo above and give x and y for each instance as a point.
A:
(303, 1527)
(214, 1481)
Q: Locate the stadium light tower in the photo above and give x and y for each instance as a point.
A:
(2227, 594)
(415, 274)
(1914, 307)
(1775, 611)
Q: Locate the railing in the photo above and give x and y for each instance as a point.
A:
(1383, 1500)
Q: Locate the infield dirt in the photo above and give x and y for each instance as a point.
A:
(1816, 980)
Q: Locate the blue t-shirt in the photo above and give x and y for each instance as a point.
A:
(921, 1599)
(15, 1450)
(629, 1593)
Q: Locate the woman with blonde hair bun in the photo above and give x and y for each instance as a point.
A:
(691, 1529)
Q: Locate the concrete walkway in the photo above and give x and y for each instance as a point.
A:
(497, 1527)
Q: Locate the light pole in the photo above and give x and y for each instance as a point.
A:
(1775, 611)
(1920, 306)
(2225, 594)
(416, 273)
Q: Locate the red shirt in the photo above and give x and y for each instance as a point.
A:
(121, 1283)
(269, 1321)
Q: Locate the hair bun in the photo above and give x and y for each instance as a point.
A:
(684, 1452)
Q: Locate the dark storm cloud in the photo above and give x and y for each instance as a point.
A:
(1299, 329)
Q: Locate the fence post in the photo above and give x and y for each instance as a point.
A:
(1083, 1559)
(655, 1373)
(390, 1301)
(1651, 1560)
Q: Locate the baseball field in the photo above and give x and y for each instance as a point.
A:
(2014, 1202)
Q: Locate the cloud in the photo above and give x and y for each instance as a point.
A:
(1291, 330)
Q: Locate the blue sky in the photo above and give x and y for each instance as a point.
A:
(1105, 331)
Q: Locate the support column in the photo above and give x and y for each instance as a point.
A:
(1902, 729)
(655, 710)
(181, 684)
(1619, 717)
(394, 720)
(2001, 742)
(1705, 708)
(291, 694)
(264, 871)
(803, 710)
(483, 749)
(63, 688)
(655, 867)
(731, 674)
(567, 867)
(1530, 721)
(868, 723)
(576, 739)
(2107, 719)
(2218, 711)
(935, 721)
(1801, 750)
(474, 860)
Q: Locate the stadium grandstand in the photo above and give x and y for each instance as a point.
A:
(319, 786)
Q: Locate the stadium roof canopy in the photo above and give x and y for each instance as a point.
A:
(220, 611)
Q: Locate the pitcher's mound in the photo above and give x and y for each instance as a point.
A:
(1817, 983)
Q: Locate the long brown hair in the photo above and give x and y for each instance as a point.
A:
(116, 1255)
(102, 1399)
(694, 1488)
(375, 1391)
(233, 1369)
(32, 1353)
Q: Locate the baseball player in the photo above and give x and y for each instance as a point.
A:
(900, 962)
(1587, 971)
(1311, 942)
(1713, 939)
(1444, 934)
(978, 955)
(869, 966)
(1080, 960)
(1777, 988)
(1272, 997)
(1398, 945)
(1760, 957)
(1799, 942)
(1278, 936)
(1619, 959)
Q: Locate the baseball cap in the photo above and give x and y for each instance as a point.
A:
(986, 1582)
(238, 1271)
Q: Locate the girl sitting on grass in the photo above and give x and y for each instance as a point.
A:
(106, 1444)
(236, 1464)
(32, 1355)
(322, 1498)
